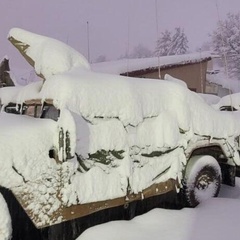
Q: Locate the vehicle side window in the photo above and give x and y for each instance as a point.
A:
(30, 111)
(12, 108)
(50, 112)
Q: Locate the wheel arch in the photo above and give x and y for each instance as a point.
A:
(216, 151)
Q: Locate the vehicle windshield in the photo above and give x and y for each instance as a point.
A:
(34, 110)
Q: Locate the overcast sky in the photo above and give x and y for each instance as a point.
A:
(113, 24)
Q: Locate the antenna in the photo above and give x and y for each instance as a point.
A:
(157, 31)
(128, 37)
(88, 42)
(201, 71)
(223, 45)
(224, 52)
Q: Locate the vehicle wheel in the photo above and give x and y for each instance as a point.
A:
(202, 179)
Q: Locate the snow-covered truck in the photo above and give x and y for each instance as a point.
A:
(81, 148)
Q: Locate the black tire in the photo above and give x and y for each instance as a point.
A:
(202, 179)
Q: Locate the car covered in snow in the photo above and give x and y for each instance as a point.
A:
(81, 148)
(229, 102)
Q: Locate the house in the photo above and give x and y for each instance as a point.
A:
(191, 68)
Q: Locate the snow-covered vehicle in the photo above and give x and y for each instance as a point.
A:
(229, 102)
(82, 148)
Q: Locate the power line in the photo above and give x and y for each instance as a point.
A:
(157, 31)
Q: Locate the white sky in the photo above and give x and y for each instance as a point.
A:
(66, 20)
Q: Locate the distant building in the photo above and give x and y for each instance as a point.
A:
(217, 81)
(191, 68)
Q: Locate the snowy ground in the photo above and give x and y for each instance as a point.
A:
(216, 219)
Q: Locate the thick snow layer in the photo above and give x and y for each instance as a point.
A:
(133, 100)
(50, 56)
(232, 100)
(210, 98)
(19, 94)
(216, 219)
(140, 116)
(133, 116)
(167, 77)
(113, 124)
(24, 145)
(130, 65)
(26, 166)
(5, 221)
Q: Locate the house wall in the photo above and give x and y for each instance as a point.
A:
(193, 74)
(216, 89)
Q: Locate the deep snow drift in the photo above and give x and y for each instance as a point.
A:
(217, 219)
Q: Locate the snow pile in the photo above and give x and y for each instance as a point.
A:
(209, 98)
(26, 166)
(95, 95)
(19, 94)
(24, 148)
(5, 221)
(167, 77)
(49, 56)
(210, 220)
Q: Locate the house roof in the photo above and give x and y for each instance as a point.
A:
(125, 66)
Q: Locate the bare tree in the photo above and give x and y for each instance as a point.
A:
(140, 51)
(163, 44)
(101, 58)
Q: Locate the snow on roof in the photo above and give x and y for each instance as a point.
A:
(222, 79)
(130, 65)
(48, 56)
